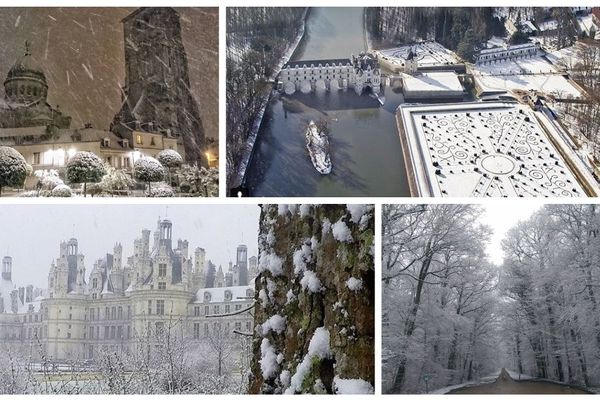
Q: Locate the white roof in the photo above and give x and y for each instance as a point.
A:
(432, 82)
(217, 295)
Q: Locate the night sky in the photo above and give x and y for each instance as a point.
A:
(81, 52)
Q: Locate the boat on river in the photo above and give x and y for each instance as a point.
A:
(317, 143)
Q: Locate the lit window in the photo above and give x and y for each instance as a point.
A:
(138, 139)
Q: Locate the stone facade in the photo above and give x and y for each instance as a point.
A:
(358, 72)
(499, 54)
(156, 95)
(123, 300)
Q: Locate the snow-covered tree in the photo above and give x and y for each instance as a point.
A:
(85, 167)
(61, 191)
(170, 159)
(163, 189)
(148, 169)
(13, 168)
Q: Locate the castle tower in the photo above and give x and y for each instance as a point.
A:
(157, 85)
(198, 280)
(76, 270)
(242, 264)
(220, 278)
(7, 268)
(252, 268)
(118, 257)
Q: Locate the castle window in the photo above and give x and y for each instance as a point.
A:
(206, 329)
(35, 318)
(249, 293)
(160, 307)
(197, 330)
(107, 313)
(206, 310)
(94, 283)
(113, 313)
(36, 161)
(112, 332)
(68, 335)
(94, 296)
(207, 297)
(217, 309)
(119, 332)
(120, 312)
(238, 307)
(162, 286)
(162, 270)
(128, 331)
(196, 311)
(106, 142)
(152, 143)
(138, 139)
(70, 316)
(227, 308)
(248, 326)
(238, 326)
(91, 332)
(149, 307)
(228, 295)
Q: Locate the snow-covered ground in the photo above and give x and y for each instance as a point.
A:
(432, 82)
(428, 54)
(488, 149)
(524, 74)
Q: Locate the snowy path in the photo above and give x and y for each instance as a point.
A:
(506, 384)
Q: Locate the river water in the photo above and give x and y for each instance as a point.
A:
(365, 147)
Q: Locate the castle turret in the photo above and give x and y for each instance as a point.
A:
(7, 268)
(242, 264)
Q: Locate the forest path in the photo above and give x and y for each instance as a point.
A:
(506, 385)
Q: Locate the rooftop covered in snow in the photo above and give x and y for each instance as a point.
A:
(488, 149)
(428, 54)
(225, 294)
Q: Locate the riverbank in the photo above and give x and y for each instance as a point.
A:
(240, 176)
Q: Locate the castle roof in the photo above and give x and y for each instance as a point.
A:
(217, 295)
(308, 63)
(26, 67)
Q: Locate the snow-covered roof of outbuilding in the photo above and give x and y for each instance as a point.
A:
(217, 295)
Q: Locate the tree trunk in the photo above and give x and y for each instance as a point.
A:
(84, 189)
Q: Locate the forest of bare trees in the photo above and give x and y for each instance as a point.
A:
(450, 316)
(257, 38)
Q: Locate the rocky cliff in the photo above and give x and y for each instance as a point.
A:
(315, 307)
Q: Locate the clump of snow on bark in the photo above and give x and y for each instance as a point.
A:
(311, 282)
(352, 386)
(264, 297)
(318, 347)
(272, 288)
(276, 324)
(326, 226)
(292, 208)
(271, 262)
(341, 232)
(279, 358)
(284, 378)
(304, 210)
(301, 257)
(290, 296)
(356, 211)
(354, 284)
(268, 360)
(282, 209)
(271, 237)
(319, 387)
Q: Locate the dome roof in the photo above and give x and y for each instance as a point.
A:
(26, 67)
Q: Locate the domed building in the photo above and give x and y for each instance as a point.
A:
(25, 97)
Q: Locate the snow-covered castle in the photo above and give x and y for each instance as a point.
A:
(360, 73)
(123, 300)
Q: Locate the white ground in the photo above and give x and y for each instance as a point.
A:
(523, 74)
(432, 82)
(487, 149)
(428, 54)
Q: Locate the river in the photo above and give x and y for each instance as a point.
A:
(365, 148)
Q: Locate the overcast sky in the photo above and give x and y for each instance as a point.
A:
(501, 217)
(31, 234)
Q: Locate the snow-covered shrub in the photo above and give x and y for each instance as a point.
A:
(200, 181)
(148, 169)
(62, 191)
(29, 193)
(169, 158)
(162, 190)
(13, 168)
(116, 180)
(48, 179)
(85, 167)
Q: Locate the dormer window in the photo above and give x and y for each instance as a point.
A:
(106, 142)
(249, 293)
(207, 297)
(125, 142)
(152, 143)
(228, 295)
